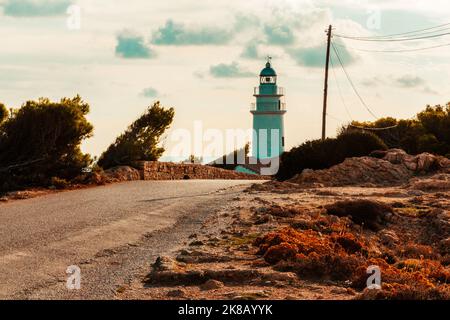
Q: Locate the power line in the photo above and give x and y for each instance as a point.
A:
(351, 82)
(406, 33)
(339, 89)
(393, 40)
(373, 129)
(348, 113)
(335, 118)
(394, 51)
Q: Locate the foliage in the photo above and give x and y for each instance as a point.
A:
(429, 131)
(140, 140)
(3, 112)
(42, 140)
(318, 154)
(339, 254)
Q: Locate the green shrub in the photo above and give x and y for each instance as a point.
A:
(41, 140)
(140, 140)
(3, 112)
(59, 183)
(318, 154)
(429, 131)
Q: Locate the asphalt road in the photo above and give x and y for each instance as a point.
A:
(110, 232)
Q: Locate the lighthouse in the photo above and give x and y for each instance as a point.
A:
(268, 113)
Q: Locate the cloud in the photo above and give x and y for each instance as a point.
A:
(278, 34)
(251, 51)
(35, 8)
(232, 70)
(149, 92)
(131, 46)
(372, 82)
(314, 57)
(429, 90)
(179, 35)
(409, 81)
(405, 81)
(245, 21)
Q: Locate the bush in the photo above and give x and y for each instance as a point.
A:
(371, 214)
(318, 154)
(140, 140)
(3, 113)
(42, 140)
(59, 183)
(428, 132)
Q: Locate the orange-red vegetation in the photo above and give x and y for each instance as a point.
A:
(342, 256)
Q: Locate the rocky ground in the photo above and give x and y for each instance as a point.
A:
(315, 236)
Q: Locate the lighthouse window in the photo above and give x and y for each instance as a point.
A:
(268, 79)
(282, 141)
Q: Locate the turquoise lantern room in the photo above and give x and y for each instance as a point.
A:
(268, 113)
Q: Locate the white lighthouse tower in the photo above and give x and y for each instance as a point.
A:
(268, 112)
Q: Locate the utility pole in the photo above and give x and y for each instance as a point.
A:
(325, 90)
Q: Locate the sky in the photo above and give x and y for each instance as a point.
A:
(203, 57)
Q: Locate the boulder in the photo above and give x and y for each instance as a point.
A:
(211, 285)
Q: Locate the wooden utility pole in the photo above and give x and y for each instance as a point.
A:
(325, 90)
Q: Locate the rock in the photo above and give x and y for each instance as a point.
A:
(351, 291)
(415, 193)
(279, 276)
(339, 290)
(390, 167)
(388, 237)
(250, 295)
(197, 277)
(440, 221)
(356, 171)
(196, 243)
(163, 263)
(212, 285)
(266, 218)
(178, 293)
(439, 182)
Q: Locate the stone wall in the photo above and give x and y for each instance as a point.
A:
(153, 170)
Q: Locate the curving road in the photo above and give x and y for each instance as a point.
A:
(110, 232)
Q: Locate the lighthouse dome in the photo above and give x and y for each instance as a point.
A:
(268, 71)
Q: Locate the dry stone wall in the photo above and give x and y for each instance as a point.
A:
(153, 170)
